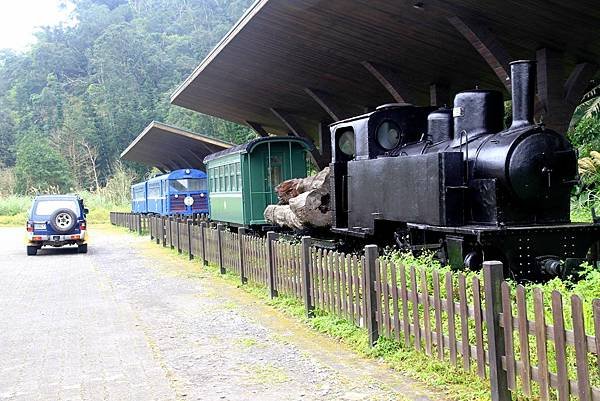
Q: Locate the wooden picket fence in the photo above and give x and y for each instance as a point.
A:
(480, 325)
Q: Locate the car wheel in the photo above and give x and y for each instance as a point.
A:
(63, 220)
(32, 250)
(82, 248)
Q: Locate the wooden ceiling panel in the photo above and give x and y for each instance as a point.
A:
(281, 48)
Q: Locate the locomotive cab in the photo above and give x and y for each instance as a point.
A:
(364, 138)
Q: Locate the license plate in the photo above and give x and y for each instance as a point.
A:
(56, 237)
(39, 226)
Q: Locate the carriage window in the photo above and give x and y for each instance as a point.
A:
(232, 177)
(227, 184)
(154, 191)
(138, 194)
(238, 174)
(221, 187)
(276, 171)
(188, 184)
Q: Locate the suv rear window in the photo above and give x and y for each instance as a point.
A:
(47, 207)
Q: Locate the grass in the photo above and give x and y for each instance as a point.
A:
(14, 208)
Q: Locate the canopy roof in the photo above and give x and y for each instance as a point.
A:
(288, 65)
(169, 148)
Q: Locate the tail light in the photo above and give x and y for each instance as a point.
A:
(82, 225)
(29, 227)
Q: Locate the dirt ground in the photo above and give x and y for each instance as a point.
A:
(129, 321)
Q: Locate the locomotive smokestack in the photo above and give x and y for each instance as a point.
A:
(523, 91)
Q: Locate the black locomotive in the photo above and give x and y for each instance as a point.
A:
(456, 182)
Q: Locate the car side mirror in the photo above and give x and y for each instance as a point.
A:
(86, 210)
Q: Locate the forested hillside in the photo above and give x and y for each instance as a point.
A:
(72, 102)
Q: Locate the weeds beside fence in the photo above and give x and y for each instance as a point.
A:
(539, 348)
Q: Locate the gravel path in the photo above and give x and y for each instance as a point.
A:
(130, 321)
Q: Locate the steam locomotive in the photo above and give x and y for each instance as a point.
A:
(456, 182)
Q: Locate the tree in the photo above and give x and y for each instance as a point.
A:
(40, 168)
(86, 90)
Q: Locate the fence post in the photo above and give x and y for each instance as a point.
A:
(370, 267)
(151, 227)
(306, 279)
(271, 237)
(139, 224)
(163, 231)
(492, 280)
(203, 242)
(157, 229)
(241, 233)
(189, 232)
(178, 230)
(171, 232)
(220, 247)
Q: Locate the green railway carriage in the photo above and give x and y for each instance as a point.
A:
(242, 179)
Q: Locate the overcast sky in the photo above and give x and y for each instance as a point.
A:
(20, 18)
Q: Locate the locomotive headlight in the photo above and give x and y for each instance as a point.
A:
(346, 143)
(188, 201)
(388, 135)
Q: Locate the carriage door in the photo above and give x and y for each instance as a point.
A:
(274, 175)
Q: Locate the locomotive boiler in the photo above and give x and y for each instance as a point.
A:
(455, 181)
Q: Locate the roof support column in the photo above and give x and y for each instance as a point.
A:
(256, 127)
(487, 45)
(391, 80)
(559, 98)
(439, 95)
(327, 103)
(295, 130)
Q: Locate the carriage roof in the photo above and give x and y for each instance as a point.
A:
(248, 147)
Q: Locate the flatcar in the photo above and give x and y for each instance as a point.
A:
(242, 179)
(457, 182)
(181, 192)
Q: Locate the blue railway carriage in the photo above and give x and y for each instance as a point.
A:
(139, 198)
(178, 192)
